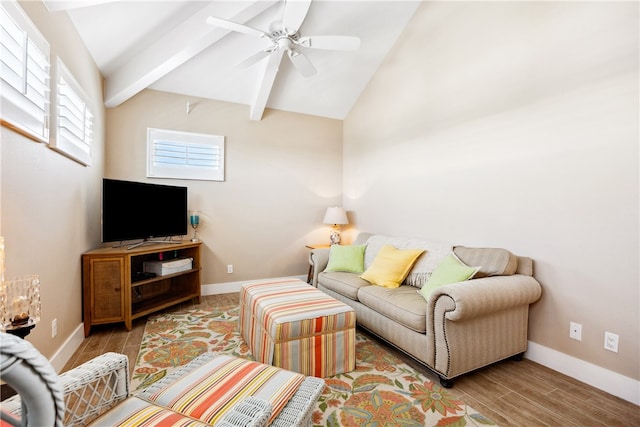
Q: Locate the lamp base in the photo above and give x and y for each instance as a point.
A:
(21, 332)
(335, 237)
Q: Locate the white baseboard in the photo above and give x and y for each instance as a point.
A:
(229, 287)
(71, 344)
(612, 382)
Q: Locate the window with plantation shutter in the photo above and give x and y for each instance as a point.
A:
(74, 130)
(184, 155)
(24, 74)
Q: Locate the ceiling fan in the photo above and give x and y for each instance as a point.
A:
(285, 38)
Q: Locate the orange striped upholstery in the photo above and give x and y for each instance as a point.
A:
(207, 392)
(295, 326)
(135, 412)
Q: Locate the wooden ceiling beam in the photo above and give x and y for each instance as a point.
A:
(174, 48)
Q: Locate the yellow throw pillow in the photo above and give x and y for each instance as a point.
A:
(390, 267)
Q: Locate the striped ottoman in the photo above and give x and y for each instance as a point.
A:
(292, 325)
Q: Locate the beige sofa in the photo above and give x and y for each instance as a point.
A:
(462, 326)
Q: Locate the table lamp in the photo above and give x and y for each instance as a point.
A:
(336, 216)
(19, 301)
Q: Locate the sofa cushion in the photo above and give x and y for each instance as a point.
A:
(424, 265)
(346, 284)
(349, 258)
(492, 261)
(450, 270)
(403, 305)
(391, 266)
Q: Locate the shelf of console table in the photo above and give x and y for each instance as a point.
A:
(110, 295)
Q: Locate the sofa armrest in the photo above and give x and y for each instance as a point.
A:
(318, 259)
(95, 387)
(478, 322)
(486, 295)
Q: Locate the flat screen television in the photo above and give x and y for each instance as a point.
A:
(136, 210)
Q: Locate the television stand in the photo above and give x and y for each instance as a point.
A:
(115, 288)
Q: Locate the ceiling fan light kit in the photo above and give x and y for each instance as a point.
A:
(284, 36)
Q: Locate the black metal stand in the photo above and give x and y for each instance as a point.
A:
(21, 332)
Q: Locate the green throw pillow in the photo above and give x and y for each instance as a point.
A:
(349, 258)
(450, 270)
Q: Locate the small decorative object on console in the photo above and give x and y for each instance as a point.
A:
(194, 219)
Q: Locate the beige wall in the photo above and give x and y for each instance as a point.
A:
(50, 204)
(515, 125)
(281, 174)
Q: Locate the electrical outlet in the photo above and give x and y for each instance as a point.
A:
(230, 268)
(575, 331)
(611, 341)
(54, 328)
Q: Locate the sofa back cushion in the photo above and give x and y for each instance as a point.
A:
(361, 238)
(492, 261)
(434, 253)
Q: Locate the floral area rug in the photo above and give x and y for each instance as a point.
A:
(382, 391)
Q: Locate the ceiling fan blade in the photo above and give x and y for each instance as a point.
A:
(330, 42)
(294, 13)
(234, 26)
(265, 85)
(255, 58)
(302, 63)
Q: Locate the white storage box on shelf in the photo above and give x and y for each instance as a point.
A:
(163, 268)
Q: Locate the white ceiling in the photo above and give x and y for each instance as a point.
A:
(168, 46)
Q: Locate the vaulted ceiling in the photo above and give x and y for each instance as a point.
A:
(168, 46)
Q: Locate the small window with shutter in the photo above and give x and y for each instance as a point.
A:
(184, 155)
(74, 130)
(24, 74)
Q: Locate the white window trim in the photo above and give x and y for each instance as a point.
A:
(73, 143)
(185, 167)
(17, 111)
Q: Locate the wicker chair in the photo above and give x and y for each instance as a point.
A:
(78, 396)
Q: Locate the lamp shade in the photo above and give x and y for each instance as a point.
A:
(335, 215)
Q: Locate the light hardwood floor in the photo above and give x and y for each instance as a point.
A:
(522, 394)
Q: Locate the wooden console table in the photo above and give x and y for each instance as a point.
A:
(114, 291)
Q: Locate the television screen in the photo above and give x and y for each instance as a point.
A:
(136, 210)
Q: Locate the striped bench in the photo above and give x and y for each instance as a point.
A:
(294, 326)
(220, 390)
